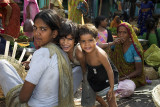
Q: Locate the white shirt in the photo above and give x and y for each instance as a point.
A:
(44, 74)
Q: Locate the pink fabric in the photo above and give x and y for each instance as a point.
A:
(34, 9)
(4, 1)
(125, 88)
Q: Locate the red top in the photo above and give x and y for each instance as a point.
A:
(3, 4)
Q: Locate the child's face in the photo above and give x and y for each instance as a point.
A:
(104, 23)
(67, 43)
(42, 33)
(88, 43)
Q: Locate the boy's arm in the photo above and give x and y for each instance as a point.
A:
(81, 58)
(103, 58)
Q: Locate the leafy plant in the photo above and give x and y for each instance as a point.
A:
(113, 30)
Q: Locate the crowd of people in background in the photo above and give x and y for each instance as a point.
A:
(70, 51)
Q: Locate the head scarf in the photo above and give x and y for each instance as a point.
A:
(133, 36)
(114, 22)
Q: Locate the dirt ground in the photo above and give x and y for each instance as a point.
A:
(142, 97)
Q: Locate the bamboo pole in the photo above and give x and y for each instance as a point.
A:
(100, 7)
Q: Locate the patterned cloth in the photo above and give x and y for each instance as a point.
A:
(73, 13)
(103, 34)
(117, 56)
(34, 9)
(144, 15)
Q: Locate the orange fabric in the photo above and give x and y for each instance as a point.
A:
(114, 22)
(13, 27)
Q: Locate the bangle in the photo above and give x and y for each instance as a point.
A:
(108, 44)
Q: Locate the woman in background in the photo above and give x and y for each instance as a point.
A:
(30, 10)
(153, 33)
(10, 18)
(115, 22)
(146, 11)
(128, 58)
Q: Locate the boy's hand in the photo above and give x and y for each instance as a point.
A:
(110, 93)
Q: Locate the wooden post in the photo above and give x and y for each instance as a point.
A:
(100, 7)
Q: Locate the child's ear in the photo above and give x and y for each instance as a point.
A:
(54, 33)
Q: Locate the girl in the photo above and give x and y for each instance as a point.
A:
(68, 42)
(48, 82)
(100, 74)
(104, 34)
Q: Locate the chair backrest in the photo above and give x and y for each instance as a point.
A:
(14, 52)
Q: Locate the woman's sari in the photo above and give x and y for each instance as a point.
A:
(125, 68)
(13, 27)
(73, 13)
(34, 9)
(145, 12)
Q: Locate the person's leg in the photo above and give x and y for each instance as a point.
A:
(9, 77)
(101, 101)
(112, 102)
(77, 77)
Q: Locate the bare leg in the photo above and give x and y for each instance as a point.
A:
(101, 101)
(112, 102)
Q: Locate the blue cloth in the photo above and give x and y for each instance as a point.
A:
(144, 15)
(2, 45)
(131, 55)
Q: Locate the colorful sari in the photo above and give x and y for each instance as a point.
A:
(143, 15)
(13, 27)
(34, 9)
(73, 13)
(125, 68)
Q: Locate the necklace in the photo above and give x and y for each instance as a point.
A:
(95, 71)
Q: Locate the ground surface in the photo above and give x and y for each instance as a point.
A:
(141, 98)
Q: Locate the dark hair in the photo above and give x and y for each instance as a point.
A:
(50, 18)
(88, 29)
(98, 20)
(68, 27)
(146, 1)
(151, 24)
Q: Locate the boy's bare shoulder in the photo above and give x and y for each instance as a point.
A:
(101, 52)
(79, 52)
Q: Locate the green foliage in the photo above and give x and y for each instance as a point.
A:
(113, 30)
(23, 37)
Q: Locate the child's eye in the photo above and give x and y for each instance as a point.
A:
(82, 41)
(90, 40)
(34, 28)
(43, 29)
(70, 38)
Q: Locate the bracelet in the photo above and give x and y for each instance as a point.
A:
(108, 44)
